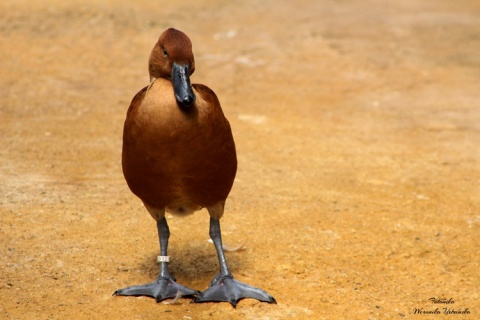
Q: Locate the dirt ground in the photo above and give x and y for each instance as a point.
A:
(357, 126)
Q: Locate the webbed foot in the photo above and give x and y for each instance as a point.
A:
(160, 289)
(228, 289)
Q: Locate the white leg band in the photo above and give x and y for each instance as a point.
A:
(163, 259)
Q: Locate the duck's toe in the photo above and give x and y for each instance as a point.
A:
(230, 290)
(160, 289)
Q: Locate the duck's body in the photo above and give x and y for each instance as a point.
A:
(181, 159)
(179, 156)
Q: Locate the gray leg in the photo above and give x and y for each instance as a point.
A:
(163, 236)
(165, 286)
(216, 236)
(224, 287)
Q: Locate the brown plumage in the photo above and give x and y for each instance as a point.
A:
(178, 159)
(179, 156)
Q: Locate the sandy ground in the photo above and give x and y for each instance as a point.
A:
(357, 126)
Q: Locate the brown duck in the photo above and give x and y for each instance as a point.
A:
(179, 156)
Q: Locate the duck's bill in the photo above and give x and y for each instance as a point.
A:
(181, 85)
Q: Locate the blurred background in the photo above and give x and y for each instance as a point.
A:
(357, 126)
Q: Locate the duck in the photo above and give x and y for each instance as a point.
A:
(179, 156)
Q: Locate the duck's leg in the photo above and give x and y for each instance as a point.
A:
(224, 287)
(165, 286)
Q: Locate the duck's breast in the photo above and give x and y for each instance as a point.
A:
(170, 153)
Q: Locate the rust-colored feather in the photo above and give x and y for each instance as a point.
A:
(175, 157)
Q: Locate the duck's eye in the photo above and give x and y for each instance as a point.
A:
(165, 53)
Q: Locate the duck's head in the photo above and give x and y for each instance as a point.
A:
(172, 58)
